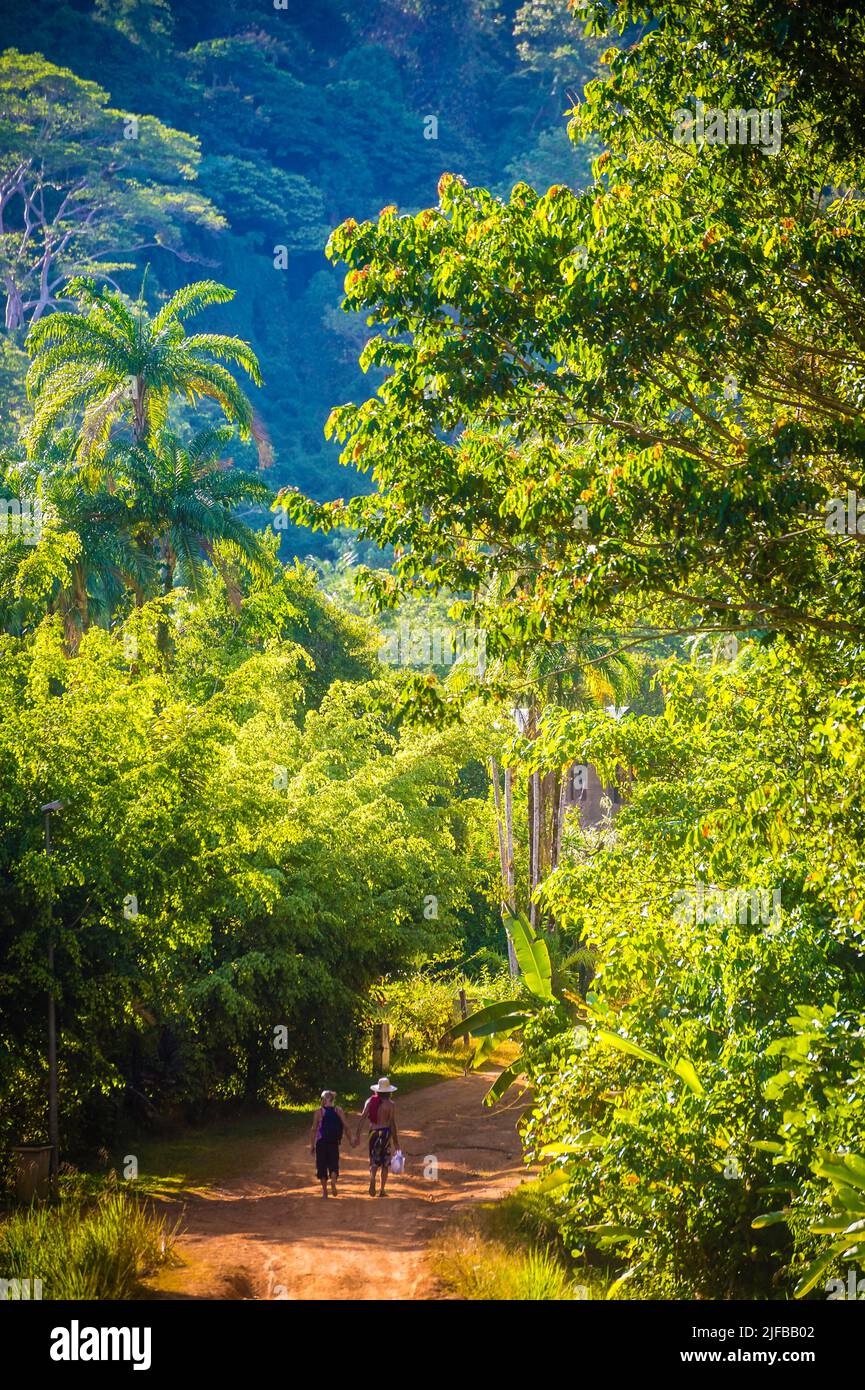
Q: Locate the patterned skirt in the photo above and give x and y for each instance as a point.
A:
(379, 1148)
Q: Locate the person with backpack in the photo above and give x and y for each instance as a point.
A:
(328, 1127)
(380, 1113)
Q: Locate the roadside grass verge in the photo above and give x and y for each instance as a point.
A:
(84, 1246)
(511, 1250)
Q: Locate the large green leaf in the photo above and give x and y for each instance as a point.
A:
(840, 1174)
(812, 1274)
(485, 1047)
(498, 1025)
(684, 1068)
(856, 1168)
(503, 1082)
(549, 1181)
(769, 1218)
(577, 1146)
(851, 1200)
(532, 955)
(495, 1014)
(625, 1045)
(623, 1278)
(842, 1226)
(610, 1231)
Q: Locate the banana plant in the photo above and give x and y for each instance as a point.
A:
(496, 1022)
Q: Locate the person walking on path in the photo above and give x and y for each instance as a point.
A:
(380, 1114)
(328, 1127)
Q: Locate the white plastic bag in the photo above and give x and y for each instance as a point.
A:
(397, 1163)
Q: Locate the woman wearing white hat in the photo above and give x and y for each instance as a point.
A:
(380, 1114)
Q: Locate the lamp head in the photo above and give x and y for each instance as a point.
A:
(53, 806)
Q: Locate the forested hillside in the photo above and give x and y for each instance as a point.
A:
(226, 140)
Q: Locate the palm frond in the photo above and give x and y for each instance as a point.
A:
(209, 379)
(210, 442)
(190, 300)
(225, 348)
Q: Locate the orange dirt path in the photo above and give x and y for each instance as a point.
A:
(273, 1236)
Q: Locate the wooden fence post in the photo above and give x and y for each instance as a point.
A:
(464, 1013)
(381, 1048)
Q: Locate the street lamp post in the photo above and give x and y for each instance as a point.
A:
(53, 1121)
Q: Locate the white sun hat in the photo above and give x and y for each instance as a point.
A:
(383, 1085)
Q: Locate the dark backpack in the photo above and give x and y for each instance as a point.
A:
(331, 1125)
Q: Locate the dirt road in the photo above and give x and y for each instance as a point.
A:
(273, 1236)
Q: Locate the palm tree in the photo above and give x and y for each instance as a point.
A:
(165, 510)
(182, 499)
(111, 363)
(87, 579)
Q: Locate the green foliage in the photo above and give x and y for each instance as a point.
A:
(85, 1248)
(418, 1010)
(83, 184)
(663, 1105)
(496, 1021)
(233, 867)
(631, 411)
(239, 147)
(820, 1092)
(478, 1269)
(421, 1007)
(603, 416)
(596, 384)
(131, 508)
(533, 956)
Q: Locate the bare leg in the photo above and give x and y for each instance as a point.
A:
(333, 1183)
(384, 1172)
(324, 1188)
(372, 1180)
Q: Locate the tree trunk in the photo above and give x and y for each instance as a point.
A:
(14, 306)
(167, 564)
(494, 775)
(73, 604)
(81, 601)
(510, 876)
(504, 858)
(555, 799)
(535, 834)
(560, 818)
(139, 418)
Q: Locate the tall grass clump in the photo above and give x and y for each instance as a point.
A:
(509, 1250)
(93, 1249)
